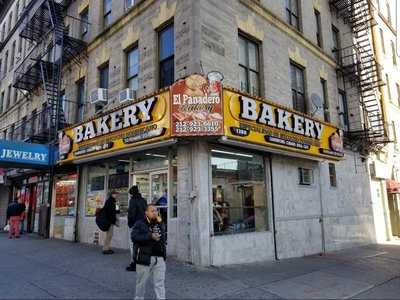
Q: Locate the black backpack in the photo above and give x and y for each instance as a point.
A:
(101, 220)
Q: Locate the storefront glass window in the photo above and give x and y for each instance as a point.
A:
(66, 188)
(96, 189)
(118, 180)
(239, 192)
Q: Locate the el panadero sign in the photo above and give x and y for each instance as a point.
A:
(196, 106)
(143, 121)
(260, 122)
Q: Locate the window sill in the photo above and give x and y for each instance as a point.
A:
(240, 233)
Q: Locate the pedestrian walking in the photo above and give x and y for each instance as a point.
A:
(136, 210)
(13, 218)
(149, 237)
(110, 212)
(22, 208)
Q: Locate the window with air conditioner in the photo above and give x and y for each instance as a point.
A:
(306, 176)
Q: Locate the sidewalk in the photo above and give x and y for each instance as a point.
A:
(32, 268)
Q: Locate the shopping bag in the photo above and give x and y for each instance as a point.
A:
(6, 228)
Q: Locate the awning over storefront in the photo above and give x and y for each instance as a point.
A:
(25, 155)
(393, 186)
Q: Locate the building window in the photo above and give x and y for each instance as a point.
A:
(394, 55)
(96, 188)
(336, 44)
(5, 64)
(394, 132)
(8, 99)
(15, 97)
(318, 27)
(382, 40)
(103, 76)
(63, 107)
(3, 31)
(343, 111)
(10, 17)
(2, 102)
(132, 69)
(23, 129)
(249, 73)
(298, 87)
(129, 3)
(19, 47)
(332, 174)
(118, 180)
(107, 12)
(389, 93)
(306, 176)
(166, 56)
(389, 17)
(239, 192)
(292, 13)
(84, 22)
(34, 124)
(398, 94)
(12, 55)
(325, 100)
(11, 132)
(80, 88)
(17, 9)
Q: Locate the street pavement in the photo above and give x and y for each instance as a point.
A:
(33, 268)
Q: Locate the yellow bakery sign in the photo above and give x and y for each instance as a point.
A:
(260, 122)
(144, 121)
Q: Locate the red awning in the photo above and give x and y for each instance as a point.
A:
(393, 186)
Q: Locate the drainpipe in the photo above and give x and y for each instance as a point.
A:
(321, 220)
(273, 206)
(77, 197)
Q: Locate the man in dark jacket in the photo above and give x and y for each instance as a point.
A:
(110, 210)
(13, 218)
(136, 208)
(149, 236)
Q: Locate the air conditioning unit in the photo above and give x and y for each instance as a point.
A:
(126, 95)
(99, 96)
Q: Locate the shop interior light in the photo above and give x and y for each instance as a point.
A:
(232, 153)
(156, 155)
(124, 160)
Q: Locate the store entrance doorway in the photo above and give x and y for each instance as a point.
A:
(394, 210)
(153, 186)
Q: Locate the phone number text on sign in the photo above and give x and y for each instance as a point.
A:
(196, 126)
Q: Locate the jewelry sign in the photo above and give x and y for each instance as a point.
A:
(196, 106)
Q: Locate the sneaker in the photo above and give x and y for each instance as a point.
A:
(131, 267)
(106, 252)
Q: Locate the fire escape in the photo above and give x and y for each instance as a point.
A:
(358, 65)
(51, 48)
